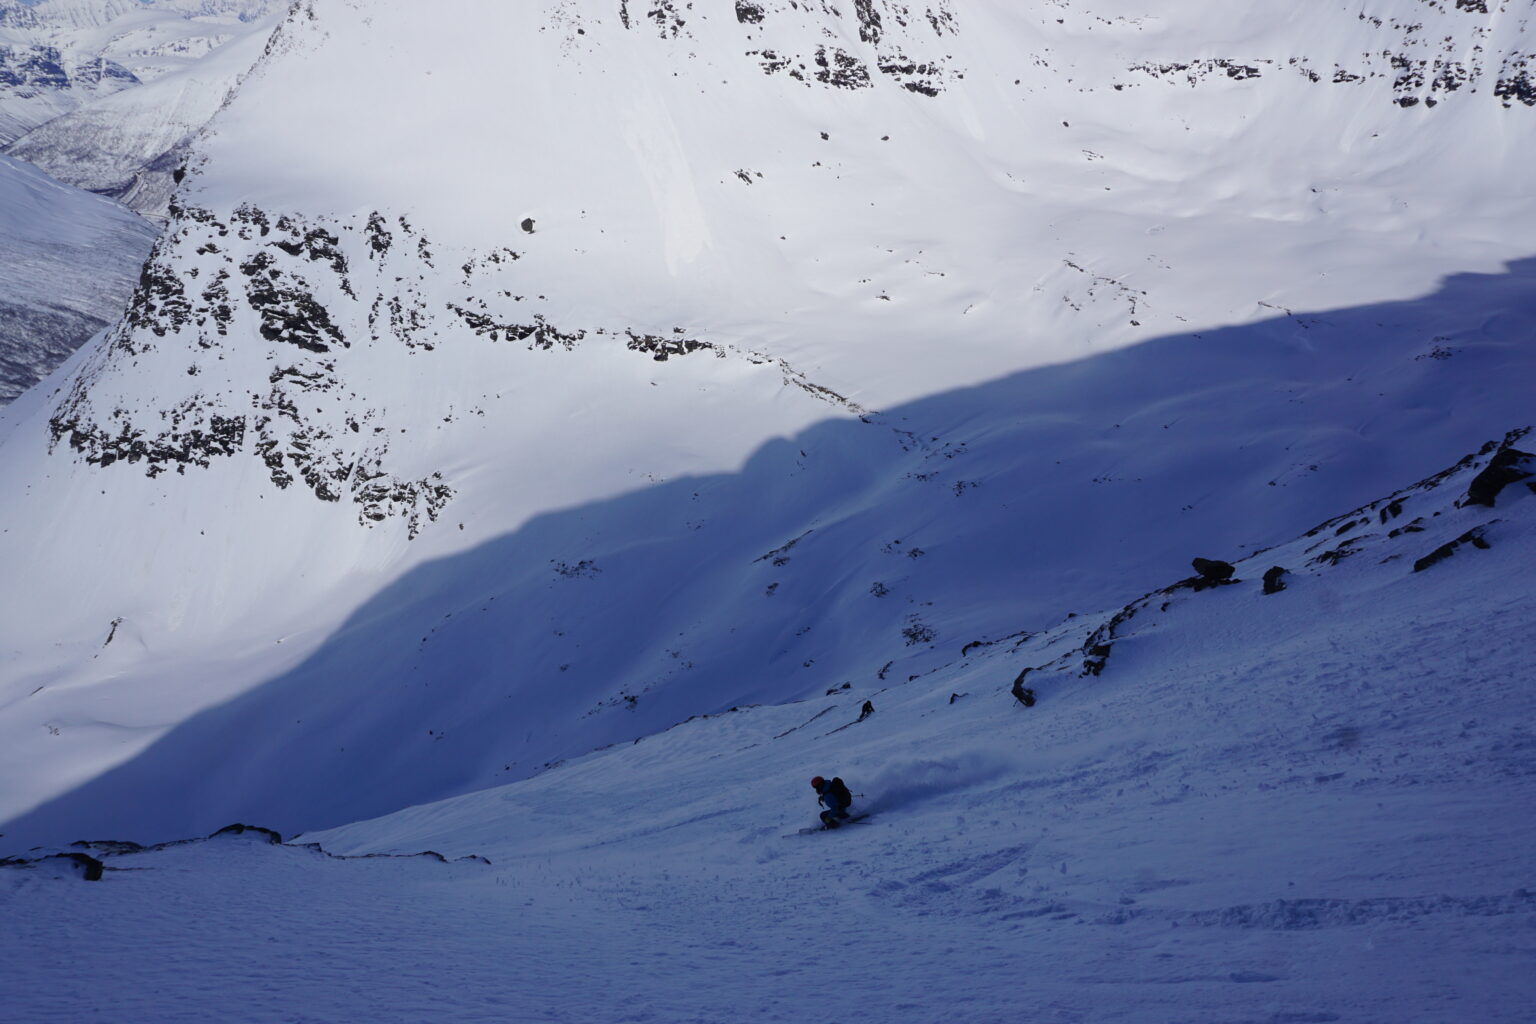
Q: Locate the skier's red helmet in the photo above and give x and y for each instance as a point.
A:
(817, 781)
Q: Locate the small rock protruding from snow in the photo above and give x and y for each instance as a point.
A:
(1473, 536)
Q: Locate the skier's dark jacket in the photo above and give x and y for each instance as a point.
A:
(834, 795)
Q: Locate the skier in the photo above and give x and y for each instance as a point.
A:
(867, 710)
(834, 796)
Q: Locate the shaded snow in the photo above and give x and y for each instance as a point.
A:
(68, 261)
(1293, 807)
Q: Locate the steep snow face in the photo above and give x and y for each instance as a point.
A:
(68, 262)
(692, 357)
(1305, 805)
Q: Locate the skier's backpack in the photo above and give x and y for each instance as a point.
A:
(838, 791)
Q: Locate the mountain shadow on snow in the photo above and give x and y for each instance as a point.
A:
(449, 698)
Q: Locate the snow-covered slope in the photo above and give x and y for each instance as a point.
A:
(1305, 805)
(105, 94)
(131, 144)
(72, 91)
(38, 83)
(68, 262)
(150, 38)
(697, 357)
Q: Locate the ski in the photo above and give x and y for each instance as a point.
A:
(857, 819)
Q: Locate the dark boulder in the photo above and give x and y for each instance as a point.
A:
(1213, 569)
(88, 867)
(1507, 467)
(1273, 580)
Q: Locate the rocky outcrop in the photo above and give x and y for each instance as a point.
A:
(71, 865)
(1474, 537)
(1091, 655)
(1509, 465)
(314, 295)
(88, 860)
(1424, 63)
